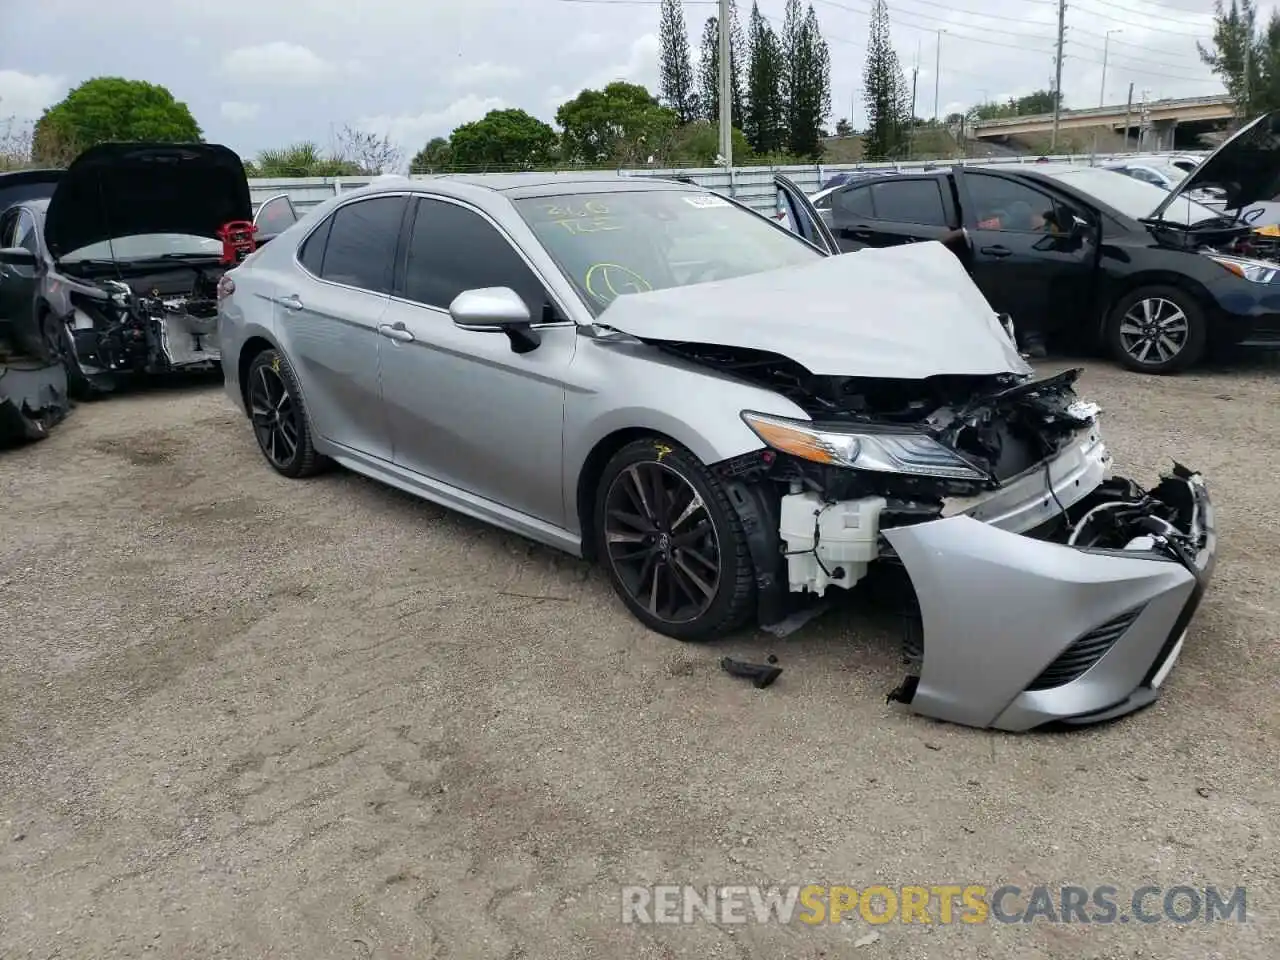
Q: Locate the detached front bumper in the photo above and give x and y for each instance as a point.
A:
(1020, 632)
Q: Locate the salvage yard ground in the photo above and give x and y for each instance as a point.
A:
(242, 716)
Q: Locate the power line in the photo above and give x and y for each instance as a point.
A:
(1164, 12)
(1107, 15)
(951, 24)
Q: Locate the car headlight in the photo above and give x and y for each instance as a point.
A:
(1254, 270)
(903, 451)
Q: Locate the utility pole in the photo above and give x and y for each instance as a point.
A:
(937, 73)
(911, 134)
(726, 87)
(1128, 107)
(1057, 79)
(1102, 94)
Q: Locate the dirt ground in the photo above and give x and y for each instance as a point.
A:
(242, 716)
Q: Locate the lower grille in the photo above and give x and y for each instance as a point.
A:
(1084, 652)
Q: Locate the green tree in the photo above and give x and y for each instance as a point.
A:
(435, 157)
(697, 144)
(503, 138)
(1041, 101)
(809, 88)
(1246, 60)
(764, 113)
(709, 69)
(844, 128)
(678, 87)
(622, 124)
(885, 95)
(112, 108)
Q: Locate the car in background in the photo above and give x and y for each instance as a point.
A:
(114, 272)
(724, 414)
(274, 216)
(1092, 255)
(1166, 175)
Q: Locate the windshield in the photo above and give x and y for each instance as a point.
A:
(609, 244)
(145, 246)
(1133, 198)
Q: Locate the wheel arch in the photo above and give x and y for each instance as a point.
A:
(253, 346)
(592, 469)
(1148, 278)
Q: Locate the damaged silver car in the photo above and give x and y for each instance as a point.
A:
(730, 419)
(112, 270)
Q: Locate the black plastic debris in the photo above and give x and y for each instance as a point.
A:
(760, 674)
(33, 398)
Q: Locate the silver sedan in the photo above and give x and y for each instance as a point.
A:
(729, 418)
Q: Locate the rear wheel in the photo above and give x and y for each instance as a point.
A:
(279, 417)
(1157, 329)
(671, 542)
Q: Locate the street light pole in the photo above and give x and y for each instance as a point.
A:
(937, 73)
(1106, 46)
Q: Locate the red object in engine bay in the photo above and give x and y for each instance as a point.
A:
(237, 241)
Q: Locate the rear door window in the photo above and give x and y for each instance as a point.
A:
(362, 243)
(909, 201)
(854, 202)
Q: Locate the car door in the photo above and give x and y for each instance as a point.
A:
(18, 282)
(1031, 253)
(852, 217)
(328, 320)
(275, 216)
(802, 218)
(464, 408)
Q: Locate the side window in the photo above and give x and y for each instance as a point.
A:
(26, 233)
(854, 202)
(311, 256)
(276, 215)
(454, 249)
(362, 243)
(1001, 204)
(910, 201)
(8, 228)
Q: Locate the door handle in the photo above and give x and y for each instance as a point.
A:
(291, 302)
(997, 251)
(395, 331)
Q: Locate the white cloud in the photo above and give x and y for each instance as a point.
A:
(278, 63)
(641, 66)
(413, 130)
(482, 74)
(588, 42)
(238, 112)
(24, 96)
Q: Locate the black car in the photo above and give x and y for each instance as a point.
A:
(114, 271)
(1092, 255)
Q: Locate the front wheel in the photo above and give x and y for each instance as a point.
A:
(1157, 329)
(671, 542)
(279, 417)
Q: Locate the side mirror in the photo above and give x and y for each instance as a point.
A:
(496, 308)
(18, 257)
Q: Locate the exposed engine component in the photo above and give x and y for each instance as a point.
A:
(828, 542)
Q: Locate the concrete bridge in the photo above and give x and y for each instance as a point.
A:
(1162, 117)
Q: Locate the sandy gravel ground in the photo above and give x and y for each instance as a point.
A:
(247, 717)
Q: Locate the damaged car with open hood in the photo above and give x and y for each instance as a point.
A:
(729, 418)
(113, 270)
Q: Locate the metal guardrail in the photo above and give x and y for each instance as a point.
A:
(750, 185)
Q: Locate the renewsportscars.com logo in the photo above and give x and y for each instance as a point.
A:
(942, 904)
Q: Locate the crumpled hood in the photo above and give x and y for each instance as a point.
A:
(1246, 167)
(119, 190)
(908, 312)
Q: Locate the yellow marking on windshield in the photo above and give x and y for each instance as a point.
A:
(608, 281)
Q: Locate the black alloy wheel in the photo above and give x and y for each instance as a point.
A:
(673, 545)
(278, 416)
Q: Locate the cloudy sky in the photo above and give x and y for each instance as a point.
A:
(258, 73)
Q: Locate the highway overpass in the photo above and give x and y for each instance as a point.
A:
(1162, 117)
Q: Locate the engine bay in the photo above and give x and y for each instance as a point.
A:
(147, 323)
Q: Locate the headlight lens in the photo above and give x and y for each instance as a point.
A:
(1254, 270)
(885, 452)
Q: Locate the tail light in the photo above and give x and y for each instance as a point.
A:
(226, 287)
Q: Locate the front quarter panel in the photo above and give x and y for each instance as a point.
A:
(618, 384)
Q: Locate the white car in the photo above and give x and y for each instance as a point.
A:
(1166, 174)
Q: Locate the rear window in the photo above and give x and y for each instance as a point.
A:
(910, 201)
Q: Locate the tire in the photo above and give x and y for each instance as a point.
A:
(1169, 305)
(272, 390)
(699, 525)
